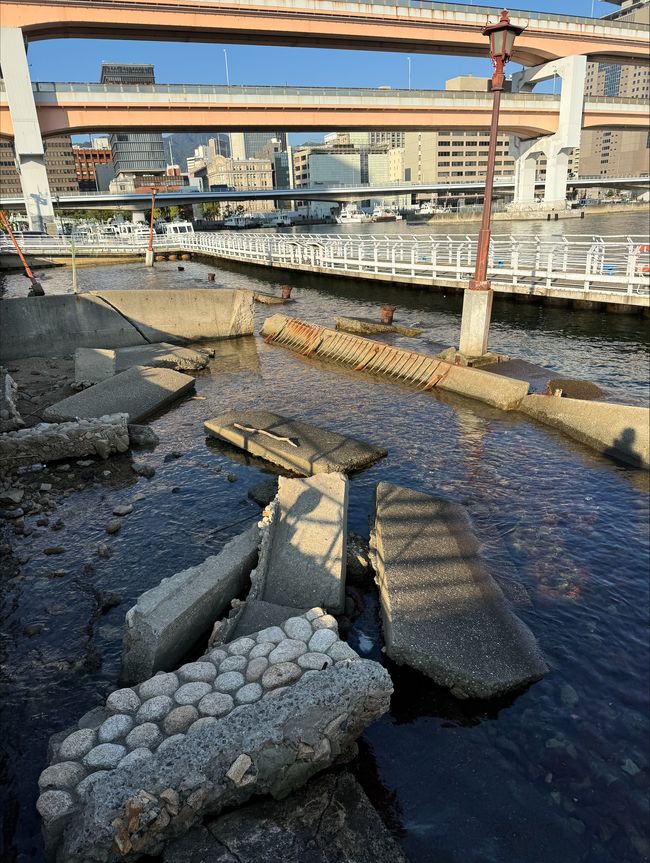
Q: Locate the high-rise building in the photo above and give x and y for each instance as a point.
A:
(59, 164)
(86, 161)
(138, 153)
(255, 145)
(613, 152)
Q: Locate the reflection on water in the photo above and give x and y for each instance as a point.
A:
(557, 774)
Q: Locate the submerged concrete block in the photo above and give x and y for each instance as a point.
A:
(53, 441)
(330, 819)
(169, 619)
(305, 565)
(92, 365)
(243, 720)
(442, 612)
(619, 431)
(298, 446)
(138, 392)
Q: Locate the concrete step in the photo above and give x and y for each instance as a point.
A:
(138, 392)
(316, 450)
(92, 365)
(257, 615)
(443, 614)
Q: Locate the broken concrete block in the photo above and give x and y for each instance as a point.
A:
(263, 492)
(138, 392)
(256, 614)
(328, 820)
(169, 619)
(92, 365)
(442, 612)
(10, 418)
(366, 326)
(621, 432)
(52, 441)
(205, 738)
(298, 446)
(305, 565)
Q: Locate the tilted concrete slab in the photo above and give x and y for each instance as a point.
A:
(317, 450)
(92, 365)
(58, 324)
(409, 367)
(442, 612)
(167, 620)
(138, 392)
(368, 327)
(305, 564)
(619, 431)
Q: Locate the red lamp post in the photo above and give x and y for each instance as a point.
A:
(477, 303)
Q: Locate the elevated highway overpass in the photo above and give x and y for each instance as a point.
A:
(137, 201)
(69, 108)
(408, 26)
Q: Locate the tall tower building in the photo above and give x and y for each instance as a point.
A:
(256, 145)
(609, 152)
(134, 153)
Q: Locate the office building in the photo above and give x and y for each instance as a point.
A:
(242, 175)
(256, 145)
(615, 152)
(59, 164)
(86, 161)
(137, 153)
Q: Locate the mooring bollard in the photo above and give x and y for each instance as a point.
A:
(211, 277)
(386, 315)
(286, 291)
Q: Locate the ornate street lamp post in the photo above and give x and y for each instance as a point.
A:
(477, 301)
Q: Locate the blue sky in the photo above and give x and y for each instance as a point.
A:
(182, 63)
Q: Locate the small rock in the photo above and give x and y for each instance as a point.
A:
(200, 724)
(103, 550)
(58, 573)
(114, 525)
(33, 629)
(262, 649)
(322, 640)
(11, 514)
(231, 477)
(77, 744)
(65, 774)
(241, 646)
(569, 696)
(161, 684)
(233, 663)
(11, 496)
(229, 682)
(104, 757)
(114, 728)
(52, 805)
(249, 693)
(315, 661)
(139, 754)
(256, 668)
(147, 736)
(191, 693)
(325, 621)
(298, 628)
(180, 719)
(216, 704)
(123, 509)
(238, 769)
(287, 650)
(143, 469)
(197, 671)
(141, 436)
(271, 633)
(45, 486)
(281, 674)
(630, 767)
(154, 709)
(340, 651)
(122, 701)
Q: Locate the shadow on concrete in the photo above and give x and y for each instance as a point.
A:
(623, 449)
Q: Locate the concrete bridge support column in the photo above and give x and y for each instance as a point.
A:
(525, 171)
(557, 172)
(28, 143)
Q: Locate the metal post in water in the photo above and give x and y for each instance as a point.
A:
(36, 289)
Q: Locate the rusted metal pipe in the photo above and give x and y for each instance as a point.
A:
(286, 292)
(211, 277)
(36, 288)
(386, 315)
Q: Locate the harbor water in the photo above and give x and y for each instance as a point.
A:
(556, 774)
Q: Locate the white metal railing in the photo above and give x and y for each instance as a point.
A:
(581, 263)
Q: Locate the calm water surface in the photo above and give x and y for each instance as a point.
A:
(558, 774)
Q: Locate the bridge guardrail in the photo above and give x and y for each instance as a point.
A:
(582, 263)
